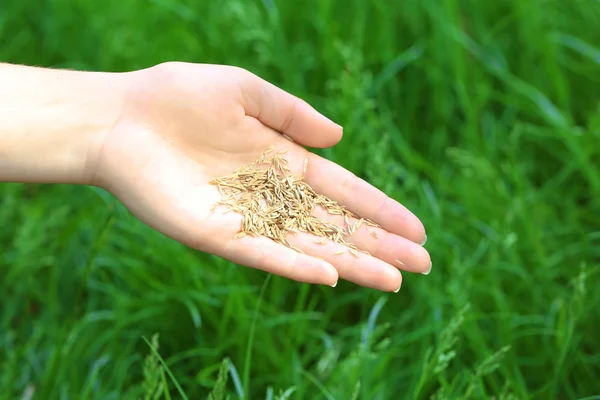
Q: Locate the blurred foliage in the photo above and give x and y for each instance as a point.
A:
(481, 117)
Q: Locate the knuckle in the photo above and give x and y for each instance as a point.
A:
(346, 186)
(242, 76)
(290, 115)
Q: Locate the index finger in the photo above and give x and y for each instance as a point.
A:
(362, 198)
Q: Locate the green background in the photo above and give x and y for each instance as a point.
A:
(483, 117)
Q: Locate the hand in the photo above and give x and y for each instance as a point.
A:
(183, 125)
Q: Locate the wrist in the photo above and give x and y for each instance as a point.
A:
(53, 122)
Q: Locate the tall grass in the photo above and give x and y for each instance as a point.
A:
(482, 117)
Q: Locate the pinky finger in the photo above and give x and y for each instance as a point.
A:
(266, 255)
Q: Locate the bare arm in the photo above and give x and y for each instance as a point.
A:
(52, 122)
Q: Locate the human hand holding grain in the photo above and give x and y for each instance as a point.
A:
(168, 131)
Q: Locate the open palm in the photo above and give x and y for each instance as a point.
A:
(183, 125)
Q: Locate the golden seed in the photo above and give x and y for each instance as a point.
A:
(273, 202)
(371, 223)
(351, 229)
(297, 249)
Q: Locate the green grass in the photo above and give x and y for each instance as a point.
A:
(482, 117)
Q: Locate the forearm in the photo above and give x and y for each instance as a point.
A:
(52, 122)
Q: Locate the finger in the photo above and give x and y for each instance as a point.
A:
(288, 114)
(356, 267)
(365, 200)
(266, 255)
(391, 248)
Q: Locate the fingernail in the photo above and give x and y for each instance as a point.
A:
(334, 285)
(424, 241)
(429, 270)
(397, 290)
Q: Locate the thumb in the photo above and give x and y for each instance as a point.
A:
(288, 114)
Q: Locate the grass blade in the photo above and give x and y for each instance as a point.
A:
(318, 384)
(175, 382)
(248, 361)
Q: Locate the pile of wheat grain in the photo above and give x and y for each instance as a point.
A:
(274, 203)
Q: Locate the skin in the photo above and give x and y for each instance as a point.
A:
(156, 137)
